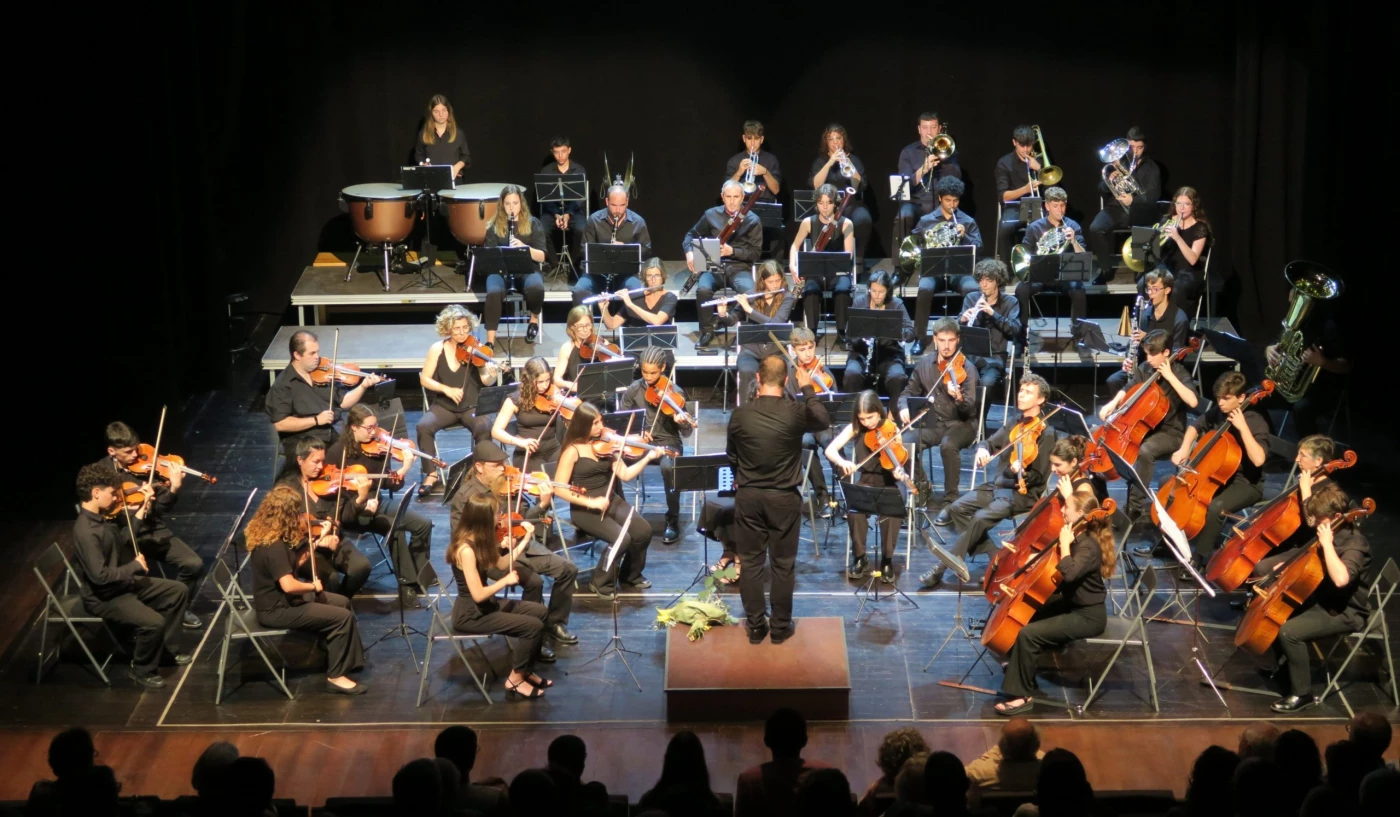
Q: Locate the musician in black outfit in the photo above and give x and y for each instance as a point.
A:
(1075, 611)
(116, 582)
(951, 422)
(614, 224)
(1136, 210)
(827, 169)
(885, 363)
(340, 565)
(840, 238)
(1056, 200)
(772, 303)
(766, 172)
(999, 314)
(869, 415)
(441, 142)
(538, 430)
(764, 443)
(564, 218)
(453, 386)
(1160, 314)
(922, 169)
(301, 409)
(1182, 247)
(1313, 453)
(655, 308)
(949, 191)
(661, 429)
(156, 541)
(1017, 176)
(739, 254)
(803, 346)
(513, 226)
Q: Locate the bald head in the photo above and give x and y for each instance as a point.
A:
(1257, 740)
(1019, 740)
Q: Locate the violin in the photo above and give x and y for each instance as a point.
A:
(354, 477)
(346, 374)
(1278, 596)
(955, 370)
(632, 446)
(1263, 532)
(595, 349)
(381, 443)
(554, 401)
(511, 482)
(475, 352)
(146, 454)
(885, 439)
(821, 378)
(510, 526)
(317, 527)
(668, 397)
(132, 500)
(1214, 460)
(1025, 438)
(1144, 405)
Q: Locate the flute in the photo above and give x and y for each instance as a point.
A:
(608, 296)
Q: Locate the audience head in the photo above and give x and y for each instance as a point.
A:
(785, 733)
(568, 752)
(458, 745)
(251, 785)
(1208, 790)
(90, 791)
(1370, 731)
(824, 793)
(1019, 740)
(684, 763)
(1347, 763)
(1297, 756)
(426, 786)
(210, 773)
(1259, 789)
(532, 793)
(945, 783)
(1062, 787)
(909, 783)
(71, 751)
(1380, 792)
(897, 747)
(1257, 740)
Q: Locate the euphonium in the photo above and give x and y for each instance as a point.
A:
(1121, 184)
(1311, 282)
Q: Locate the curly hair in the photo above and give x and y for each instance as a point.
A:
(823, 150)
(533, 368)
(277, 519)
(452, 313)
(897, 747)
(97, 475)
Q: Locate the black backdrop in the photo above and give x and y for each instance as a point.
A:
(223, 132)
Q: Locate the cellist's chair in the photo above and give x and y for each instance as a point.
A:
(1127, 628)
(64, 604)
(1376, 629)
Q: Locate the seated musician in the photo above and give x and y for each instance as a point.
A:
(1067, 471)
(951, 423)
(1019, 480)
(412, 544)
(565, 218)
(661, 428)
(1017, 176)
(614, 224)
(1161, 316)
(1184, 253)
(441, 142)
(949, 191)
(580, 331)
(301, 409)
(155, 540)
(602, 511)
(841, 238)
(803, 346)
(1180, 389)
(739, 254)
(453, 386)
(765, 172)
(885, 362)
(1338, 606)
(538, 429)
(1313, 453)
(922, 170)
(999, 314)
(276, 537)
(869, 415)
(834, 159)
(513, 226)
(1056, 200)
(1135, 210)
(1074, 612)
(475, 552)
(772, 303)
(116, 583)
(341, 566)
(654, 308)
(536, 560)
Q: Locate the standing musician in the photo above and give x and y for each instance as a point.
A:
(474, 554)
(802, 344)
(1185, 236)
(951, 423)
(276, 537)
(614, 224)
(655, 307)
(841, 238)
(771, 304)
(1076, 609)
(949, 191)
(922, 168)
(340, 566)
(1017, 176)
(155, 541)
(742, 168)
(513, 226)
(116, 583)
(764, 443)
(1166, 438)
(739, 255)
(1136, 210)
(870, 415)
(451, 376)
(538, 427)
(887, 364)
(440, 142)
(1056, 200)
(602, 511)
(536, 560)
(999, 314)
(413, 543)
(1020, 478)
(661, 428)
(298, 407)
(1162, 316)
(581, 333)
(837, 165)
(566, 217)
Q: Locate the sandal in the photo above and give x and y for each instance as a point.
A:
(1005, 708)
(721, 565)
(513, 690)
(429, 483)
(538, 682)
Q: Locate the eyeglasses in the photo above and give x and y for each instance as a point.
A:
(1158, 288)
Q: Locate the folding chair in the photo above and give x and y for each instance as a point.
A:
(65, 605)
(1375, 629)
(440, 630)
(242, 623)
(1127, 628)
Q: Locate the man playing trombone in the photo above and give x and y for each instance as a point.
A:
(1017, 176)
(1054, 233)
(921, 165)
(614, 224)
(1133, 204)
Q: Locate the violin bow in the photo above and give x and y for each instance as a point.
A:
(155, 455)
(310, 546)
(662, 402)
(335, 358)
(912, 422)
(340, 491)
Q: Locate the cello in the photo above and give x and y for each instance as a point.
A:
(1142, 409)
(1214, 460)
(1262, 533)
(1287, 589)
(1036, 532)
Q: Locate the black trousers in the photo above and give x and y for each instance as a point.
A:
(1157, 444)
(889, 369)
(990, 372)
(735, 276)
(930, 285)
(1115, 217)
(840, 288)
(333, 621)
(816, 474)
(412, 544)
(440, 418)
(1008, 230)
(1238, 493)
(530, 568)
(977, 512)
(767, 523)
(170, 550)
(531, 287)
(860, 524)
(344, 570)
(1073, 290)
(1306, 626)
(521, 621)
(152, 610)
(668, 481)
(950, 440)
(607, 526)
(1055, 624)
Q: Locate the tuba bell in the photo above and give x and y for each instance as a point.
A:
(1310, 282)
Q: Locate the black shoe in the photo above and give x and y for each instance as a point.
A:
(561, 635)
(408, 597)
(1157, 551)
(546, 655)
(943, 520)
(780, 637)
(755, 636)
(917, 349)
(151, 681)
(859, 568)
(705, 338)
(606, 594)
(191, 621)
(887, 574)
(357, 689)
(532, 333)
(931, 579)
(673, 532)
(1293, 703)
(1269, 674)
(841, 343)
(640, 583)
(178, 659)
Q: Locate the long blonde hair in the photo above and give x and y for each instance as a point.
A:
(277, 519)
(501, 222)
(430, 129)
(1100, 529)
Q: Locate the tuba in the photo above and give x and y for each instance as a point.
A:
(1311, 282)
(1118, 179)
(1052, 242)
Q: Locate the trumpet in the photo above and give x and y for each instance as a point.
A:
(612, 296)
(843, 162)
(1118, 179)
(1049, 174)
(748, 184)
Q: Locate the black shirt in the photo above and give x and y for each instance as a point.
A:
(1081, 582)
(1258, 426)
(1004, 324)
(972, 235)
(835, 179)
(1011, 173)
(443, 152)
(838, 231)
(1175, 420)
(632, 230)
(747, 238)
(292, 395)
(1147, 175)
(631, 319)
(911, 159)
(1171, 256)
(945, 411)
(1174, 322)
(554, 208)
(467, 378)
(535, 240)
(667, 431)
(105, 557)
(1037, 471)
(269, 563)
(1351, 601)
(769, 162)
(322, 507)
(888, 347)
(354, 455)
(764, 439)
(1041, 226)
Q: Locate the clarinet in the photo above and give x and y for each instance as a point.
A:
(615, 225)
(1139, 314)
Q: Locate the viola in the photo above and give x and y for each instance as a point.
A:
(382, 443)
(512, 480)
(555, 401)
(885, 439)
(164, 465)
(632, 446)
(1279, 596)
(1214, 459)
(354, 477)
(595, 349)
(821, 378)
(954, 370)
(317, 527)
(475, 352)
(668, 397)
(510, 526)
(132, 500)
(1144, 406)
(346, 374)
(1039, 530)
(1262, 533)
(1025, 438)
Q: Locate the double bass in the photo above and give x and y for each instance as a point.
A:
(1144, 406)
(1279, 596)
(1262, 533)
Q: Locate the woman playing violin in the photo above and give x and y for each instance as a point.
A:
(339, 565)
(538, 427)
(666, 430)
(276, 537)
(602, 511)
(1075, 611)
(453, 377)
(871, 424)
(583, 346)
(653, 308)
(771, 303)
(886, 362)
(300, 408)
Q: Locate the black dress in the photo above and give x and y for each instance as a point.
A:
(530, 422)
(330, 618)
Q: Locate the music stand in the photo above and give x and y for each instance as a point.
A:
(508, 262)
(608, 262)
(824, 267)
(619, 420)
(490, 399)
(615, 644)
(1088, 336)
(600, 379)
(633, 338)
(698, 473)
(562, 189)
(879, 324)
(752, 333)
(803, 203)
(770, 214)
(456, 472)
(875, 500)
(947, 262)
(1032, 208)
(428, 179)
(709, 249)
(402, 629)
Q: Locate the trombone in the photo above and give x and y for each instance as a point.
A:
(1049, 174)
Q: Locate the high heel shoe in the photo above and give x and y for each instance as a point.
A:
(537, 682)
(427, 486)
(513, 691)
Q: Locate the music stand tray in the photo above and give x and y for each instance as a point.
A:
(770, 214)
(709, 251)
(456, 472)
(1032, 208)
(758, 332)
(561, 188)
(1077, 266)
(428, 178)
(666, 336)
(841, 406)
(947, 261)
(803, 203)
(612, 261)
(824, 265)
(507, 262)
(490, 399)
(884, 324)
(975, 341)
(600, 379)
(618, 420)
